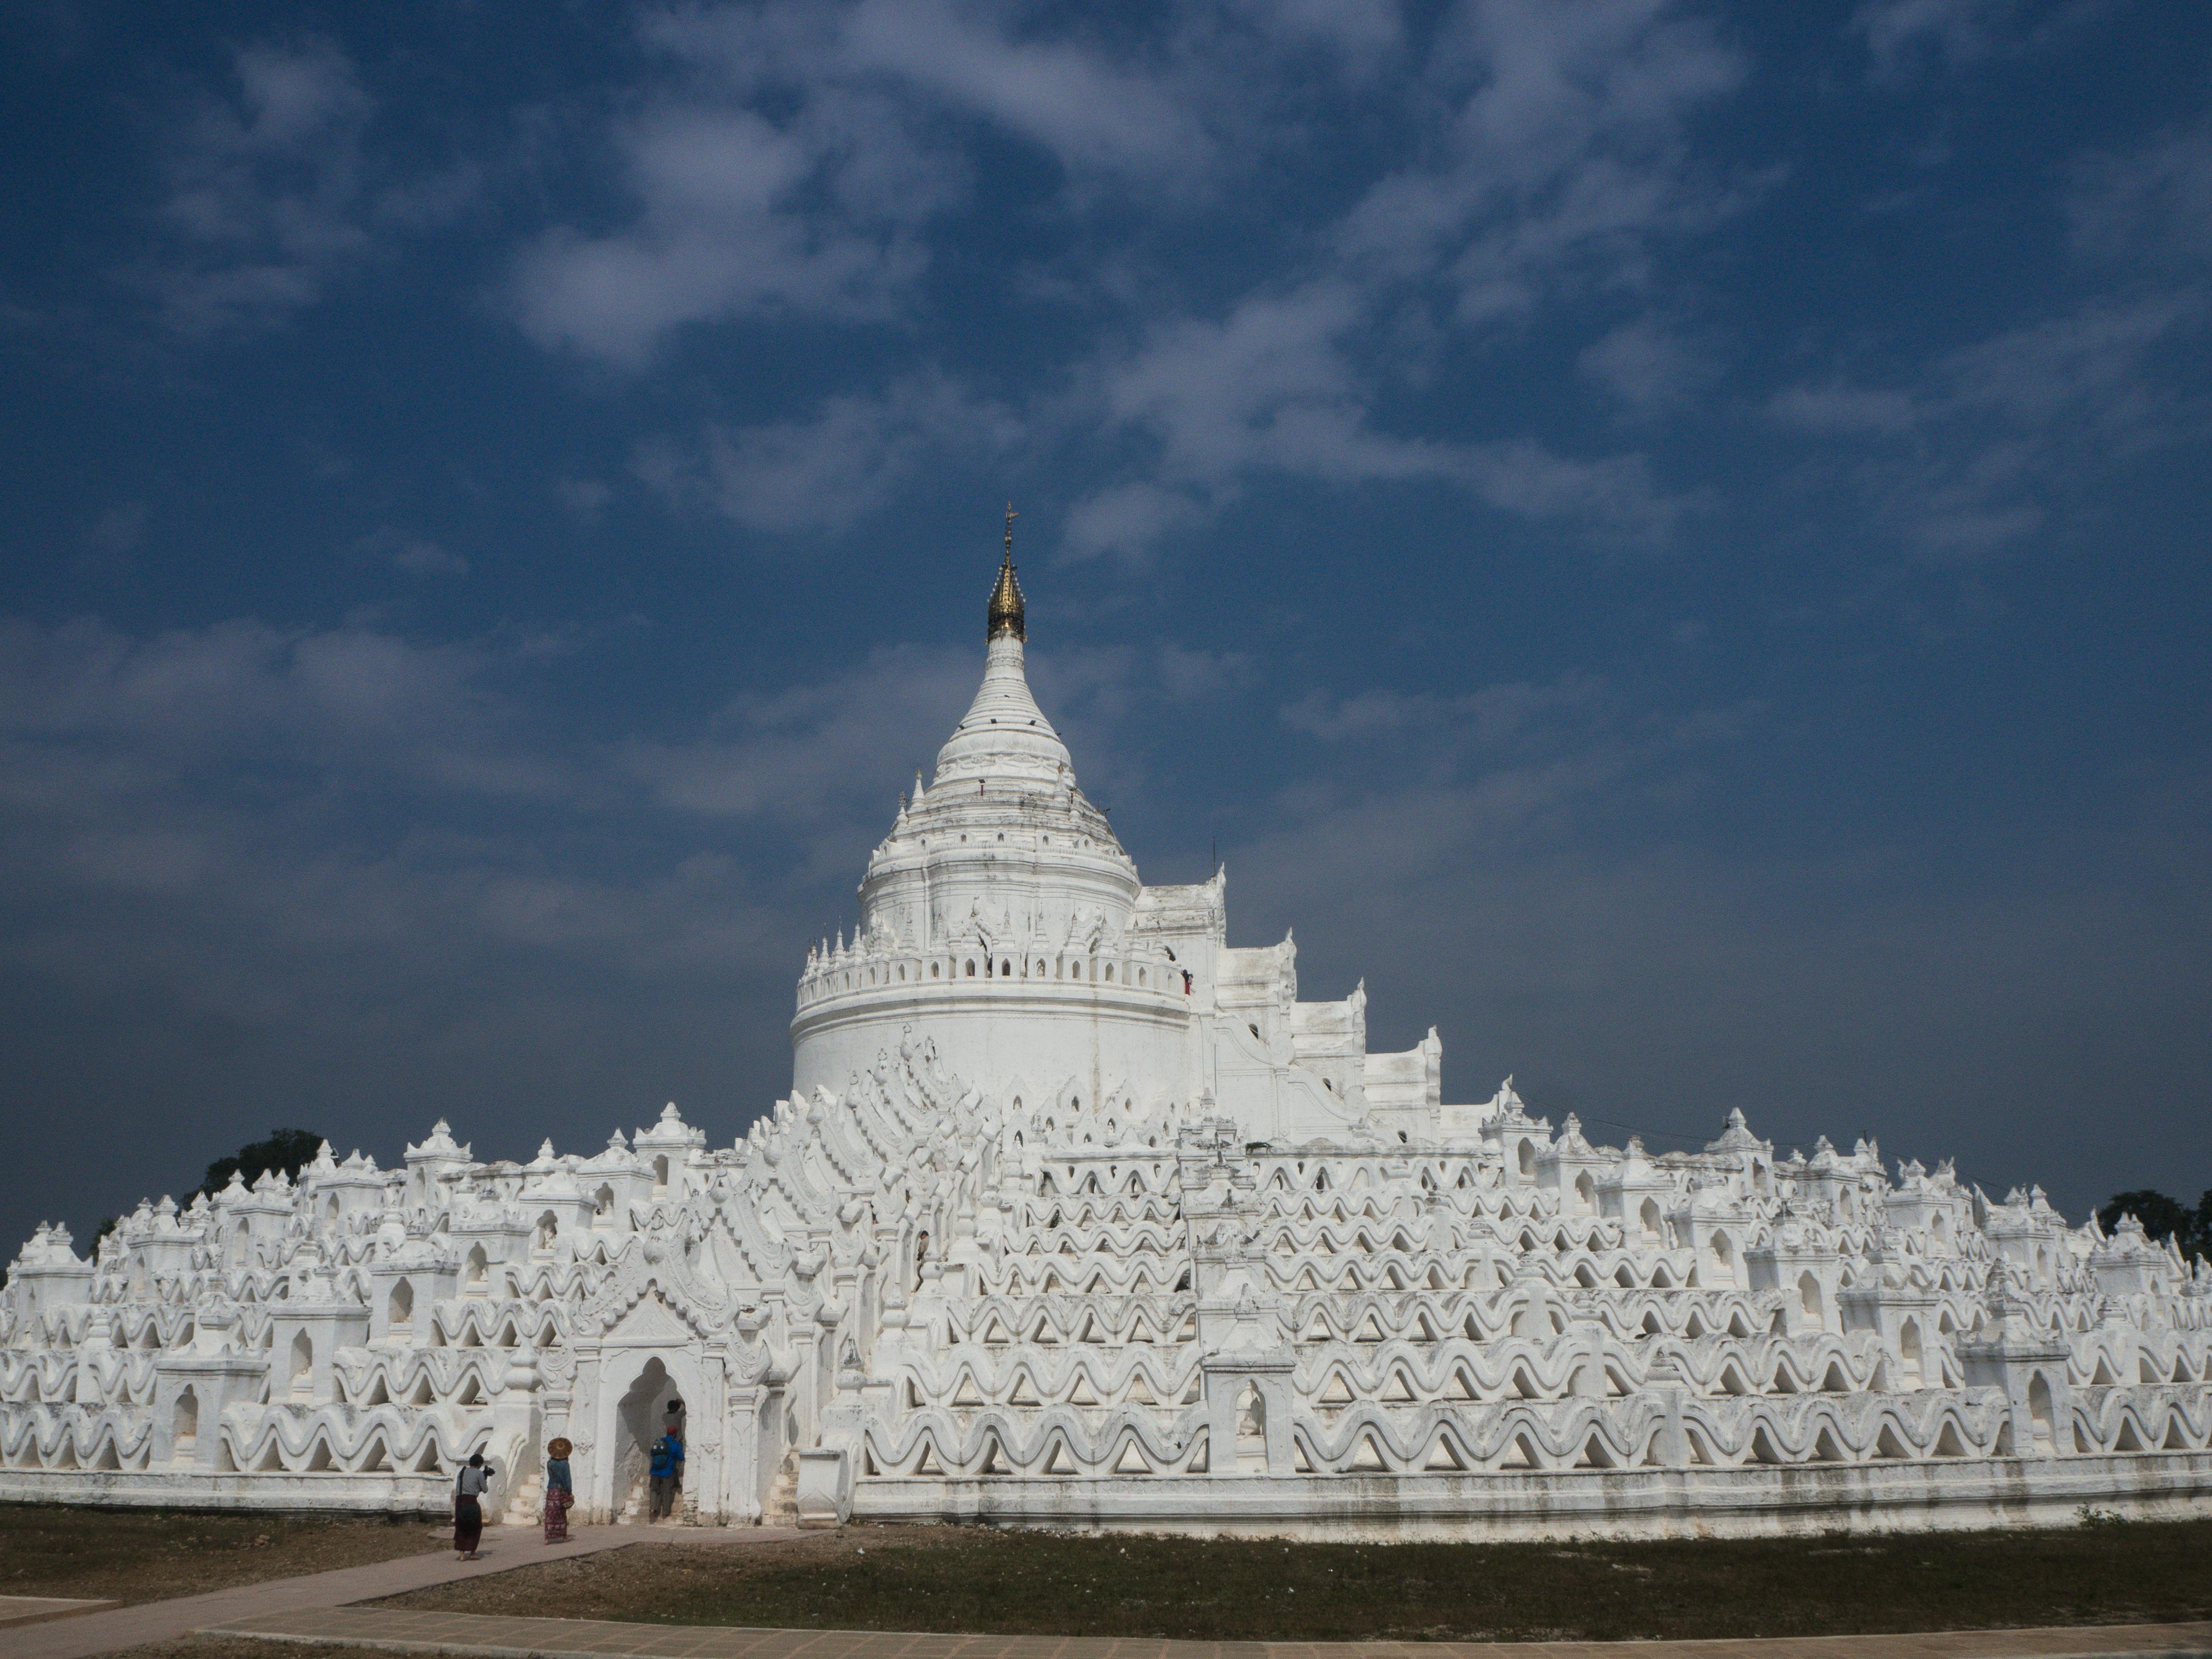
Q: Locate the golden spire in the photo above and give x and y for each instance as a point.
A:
(1006, 612)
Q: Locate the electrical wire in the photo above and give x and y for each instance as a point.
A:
(1656, 1134)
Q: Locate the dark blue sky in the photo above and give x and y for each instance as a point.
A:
(1669, 538)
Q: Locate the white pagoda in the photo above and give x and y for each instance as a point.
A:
(1076, 1215)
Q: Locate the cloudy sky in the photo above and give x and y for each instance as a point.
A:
(1669, 538)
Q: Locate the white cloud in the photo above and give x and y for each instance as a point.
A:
(1969, 455)
(2149, 210)
(286, 827)
(417, 556)
(424, 558)
(813, 752)
(1647, 365)
(1836, 408)
(828, 753)
(1909, 38)
(1645, 979)
(84, 701)
(1184, 674)
(1982, 445)
(793, 160)
(848, 460)
(2085, 365)
(1089, 110)
(1354, 31)
(1218, 394)
(272, 192)
(727, 227)
(1127, 520)
(1564, 153)
(1614, 493)
(119, 530)
(1485, 718)
(1901, 35)
(1559, 159)
(584, 498)
(266, 188)
(1273, 386)
(792, 157)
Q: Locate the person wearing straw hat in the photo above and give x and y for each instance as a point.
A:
(560, 1490)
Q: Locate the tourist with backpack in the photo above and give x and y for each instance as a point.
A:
(667, 1472)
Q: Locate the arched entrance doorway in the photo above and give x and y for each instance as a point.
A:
(649, 1406)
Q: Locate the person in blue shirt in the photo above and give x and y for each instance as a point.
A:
(667, 1472)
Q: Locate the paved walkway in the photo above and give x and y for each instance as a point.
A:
(37, 1609)
(407, 1631)
(504, 1547)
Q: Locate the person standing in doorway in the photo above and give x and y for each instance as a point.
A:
(671, 1424)
(469, 1488)
(667, 1473)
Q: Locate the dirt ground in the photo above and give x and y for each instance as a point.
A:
(135, 1555)
(1043, 1583)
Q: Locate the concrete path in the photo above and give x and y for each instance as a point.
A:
(504, 1548)
(407, 1631)
(38, 1609)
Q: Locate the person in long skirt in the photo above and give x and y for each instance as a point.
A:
(560, 1490)
(469, 1489)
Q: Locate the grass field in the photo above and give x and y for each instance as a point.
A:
(1041, 1584)
(139, 1555)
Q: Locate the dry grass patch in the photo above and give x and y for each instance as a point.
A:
(152, 1555)
(976, 1579)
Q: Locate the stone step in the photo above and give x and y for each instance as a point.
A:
(780, 1507)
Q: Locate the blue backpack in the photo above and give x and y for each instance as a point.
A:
(664, 1456)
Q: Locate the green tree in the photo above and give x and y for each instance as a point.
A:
(288, 1150)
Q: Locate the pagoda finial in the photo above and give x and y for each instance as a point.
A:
(1005, 616)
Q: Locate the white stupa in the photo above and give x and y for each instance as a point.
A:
(1001, 917)
(1076, 1215)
